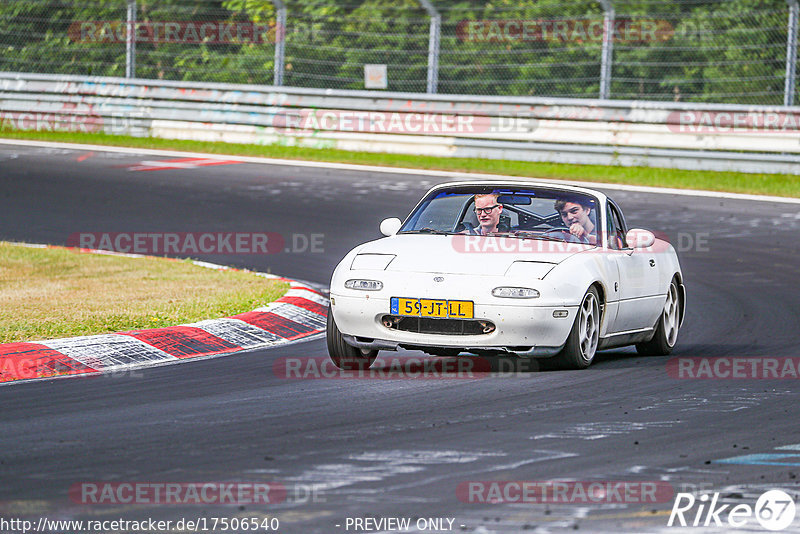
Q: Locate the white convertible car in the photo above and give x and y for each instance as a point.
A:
(504, 267)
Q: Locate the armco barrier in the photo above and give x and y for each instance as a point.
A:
(628, 133)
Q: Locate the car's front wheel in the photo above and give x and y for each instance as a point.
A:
(343, 355)
(669, 323)
(581, 345)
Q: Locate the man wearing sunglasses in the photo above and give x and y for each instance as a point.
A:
(488, 211)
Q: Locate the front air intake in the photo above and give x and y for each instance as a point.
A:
(428, 325)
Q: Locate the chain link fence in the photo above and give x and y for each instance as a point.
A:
(727, 51)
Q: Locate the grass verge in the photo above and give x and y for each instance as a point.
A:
(47, 293)
(757, 184)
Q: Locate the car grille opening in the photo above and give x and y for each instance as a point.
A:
(431, 325)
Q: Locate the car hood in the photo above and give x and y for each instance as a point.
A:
(462, 254)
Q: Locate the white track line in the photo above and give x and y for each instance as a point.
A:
(398, 170)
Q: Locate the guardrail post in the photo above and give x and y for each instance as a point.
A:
(130, 41)
(791, 54)
(607, 58)
(280, 41)
(433, 46)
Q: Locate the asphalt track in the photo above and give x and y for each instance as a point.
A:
(401, 447)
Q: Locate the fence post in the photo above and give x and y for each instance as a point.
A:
(130, 41)
(791, 54)
(433, 46)
(607, 58)
(280, 41)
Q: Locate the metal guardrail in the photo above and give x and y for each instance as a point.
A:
(629, 133)
(734, 51)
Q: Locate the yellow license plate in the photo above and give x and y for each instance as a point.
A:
(452, 309)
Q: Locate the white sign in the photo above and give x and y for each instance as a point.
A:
(375, 76)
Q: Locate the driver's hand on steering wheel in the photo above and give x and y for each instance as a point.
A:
(578, 231)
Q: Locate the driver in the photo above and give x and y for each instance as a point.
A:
(575, 214)
(488, 211)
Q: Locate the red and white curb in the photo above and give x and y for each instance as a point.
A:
(300, 314)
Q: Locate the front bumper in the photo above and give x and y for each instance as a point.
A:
(385, 344)
(521, 326)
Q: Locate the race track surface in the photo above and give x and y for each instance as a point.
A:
(398, 448)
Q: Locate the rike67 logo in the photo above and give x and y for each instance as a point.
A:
(774, 510)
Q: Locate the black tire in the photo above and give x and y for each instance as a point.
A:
(666, 335)
(581, 345)
(343, 355)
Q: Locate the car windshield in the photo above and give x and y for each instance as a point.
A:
(526, 213)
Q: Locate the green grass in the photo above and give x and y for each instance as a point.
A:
(759, 184)
(48, 293)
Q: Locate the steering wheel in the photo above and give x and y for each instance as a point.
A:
(567, 236)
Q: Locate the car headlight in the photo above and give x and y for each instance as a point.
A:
(515, 293)
(364, 285)
(377, 262)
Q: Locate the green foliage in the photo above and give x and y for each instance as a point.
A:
(705, 50)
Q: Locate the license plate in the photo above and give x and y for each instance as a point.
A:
(452, 309)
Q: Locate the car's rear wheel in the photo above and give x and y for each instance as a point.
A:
(666, 328)
(343, 355)
(581, 345)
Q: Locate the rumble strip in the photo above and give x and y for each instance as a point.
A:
(301, 313)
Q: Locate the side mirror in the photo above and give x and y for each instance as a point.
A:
(390, 226)
(638, 238)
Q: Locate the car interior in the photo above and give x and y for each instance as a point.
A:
(520, 213)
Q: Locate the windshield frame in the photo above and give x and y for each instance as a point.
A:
(408, 227)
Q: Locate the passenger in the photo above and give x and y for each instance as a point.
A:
(575, 212)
